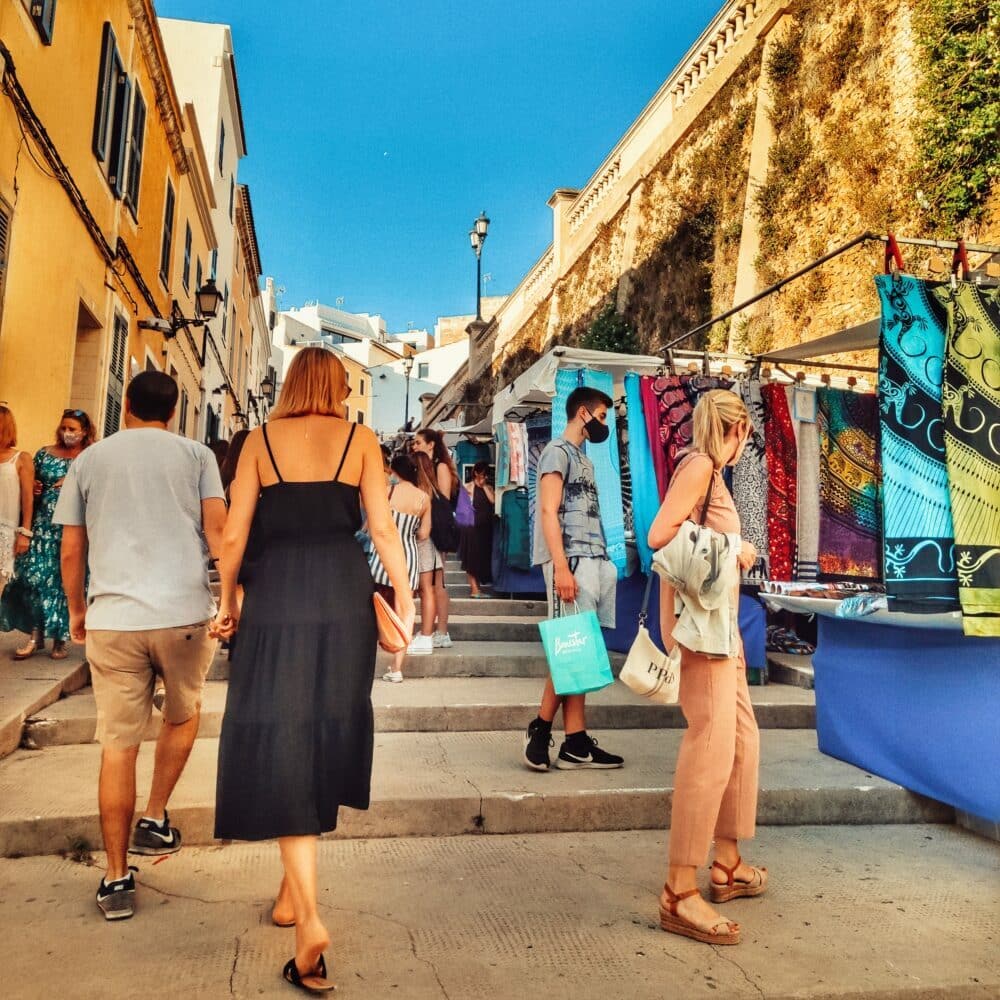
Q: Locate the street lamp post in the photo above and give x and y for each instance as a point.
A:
(407, 368)
(477, 237)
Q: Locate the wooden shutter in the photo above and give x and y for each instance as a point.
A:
(105, 92)
(168, 235)
(43, 13)
(5, 221)
(118, 147)
(135, 147)
(182, 423)
(186, 273)
(116, 376)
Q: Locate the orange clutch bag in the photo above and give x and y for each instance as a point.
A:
(392, 635)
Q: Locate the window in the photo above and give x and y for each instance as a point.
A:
(186, 273)
(5, 220)
(215, 264)
(225, 309)
(168, 235)
(361, 417)
(43, 13)
(232, 192)
(361, 383)
(116, 376)
(222, 143)
(197, 274)
(114, 91)
(423, 369)
(182, 420)
(135, 144)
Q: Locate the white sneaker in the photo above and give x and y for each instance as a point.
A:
(393, 676)
(421, 645)
(441, 641)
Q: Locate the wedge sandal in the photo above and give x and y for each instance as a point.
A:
(734, 888)
(291, 974)
(673, 923)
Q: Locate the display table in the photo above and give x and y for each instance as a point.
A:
(913, 705)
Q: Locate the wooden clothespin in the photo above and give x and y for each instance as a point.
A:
(959, 259)
(825, 378)
(893, 257)
(727, 370)
(800, 376)
(765, 374)
(851, 382)
(693, 367)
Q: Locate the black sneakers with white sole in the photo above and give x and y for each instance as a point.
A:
(152, 839)
(116, 900)
(537, 741)
(586, 753)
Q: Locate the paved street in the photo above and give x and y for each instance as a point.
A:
(908, 912)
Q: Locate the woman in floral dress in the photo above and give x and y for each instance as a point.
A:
(39, 604)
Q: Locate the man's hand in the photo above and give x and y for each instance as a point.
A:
(77, 626)
(565, 584)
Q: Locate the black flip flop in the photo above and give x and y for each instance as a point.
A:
(291, 975)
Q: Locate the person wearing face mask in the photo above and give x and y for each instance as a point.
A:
(715, 783)
(570, 547)
(39, 606)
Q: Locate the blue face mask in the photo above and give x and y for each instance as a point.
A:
(394, 480)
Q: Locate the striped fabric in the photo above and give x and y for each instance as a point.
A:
(802, 404)
(407, 525)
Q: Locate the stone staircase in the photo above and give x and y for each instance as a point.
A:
(448, 754)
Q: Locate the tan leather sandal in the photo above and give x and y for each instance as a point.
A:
(59, 651)
(672, 922)
(32, 646)
(734, 888)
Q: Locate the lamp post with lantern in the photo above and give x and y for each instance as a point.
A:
(477, 237)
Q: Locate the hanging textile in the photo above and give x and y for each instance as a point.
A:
(918, 537)
(971, 413)
(779, 445)
(604, 456)
(645, 492)
(517, 436)
(849, 479)
(539, 435)
(750, 481)
(503, 456)
(802, 408)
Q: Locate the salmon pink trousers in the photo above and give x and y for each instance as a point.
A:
(715, 784)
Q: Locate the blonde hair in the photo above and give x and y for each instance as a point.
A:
(715, 414)
(425, 472)
(316, 383)
(8, 428)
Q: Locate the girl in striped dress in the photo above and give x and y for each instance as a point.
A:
(411, 510)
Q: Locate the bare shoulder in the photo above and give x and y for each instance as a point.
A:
(367, 439)
(695, 468)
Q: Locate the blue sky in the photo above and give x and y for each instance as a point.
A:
(377, 131)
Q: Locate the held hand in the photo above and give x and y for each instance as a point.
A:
(36, 487)
(226, 622)
(77, 626)
(747, 555)
(566, 585)
(21, 545)
(58, 483)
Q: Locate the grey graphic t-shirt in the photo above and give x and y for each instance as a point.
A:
(580, 514)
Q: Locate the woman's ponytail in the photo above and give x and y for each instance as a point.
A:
(714, 415)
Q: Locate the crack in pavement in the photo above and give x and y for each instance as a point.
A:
(181, 895)
(409, 934)
(480, 819)
(236, 958)
(732, 961)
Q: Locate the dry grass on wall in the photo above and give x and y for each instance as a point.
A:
(845, 83)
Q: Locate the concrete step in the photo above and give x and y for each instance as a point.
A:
(494, 628)
(464, 704)
(788, 668)
(489, 607)
(442, 784)
(464, 659)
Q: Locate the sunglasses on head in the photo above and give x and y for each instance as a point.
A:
(79, 414)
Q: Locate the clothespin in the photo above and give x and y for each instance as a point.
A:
(893, 258)
(851, 382)
(800, 376)
(727, 370)
(825, 378)
(693, 367)
(706, 365)
(959, 258)
(765, 374)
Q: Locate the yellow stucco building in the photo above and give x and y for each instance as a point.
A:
(104, 213)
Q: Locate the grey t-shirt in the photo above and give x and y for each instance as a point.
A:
(579, 514)
(139, 494)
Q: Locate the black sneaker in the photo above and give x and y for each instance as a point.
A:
(594, 756)
(152, 839)
(537, 741)
(116, 900)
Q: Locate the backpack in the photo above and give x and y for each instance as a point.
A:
(515, 531)
(444, 527)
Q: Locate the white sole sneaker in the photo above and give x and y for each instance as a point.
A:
(392, 677)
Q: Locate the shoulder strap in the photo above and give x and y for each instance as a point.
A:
(392, 489)
(270, 453)
(708, 498)
(347, 448)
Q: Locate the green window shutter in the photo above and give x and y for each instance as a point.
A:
(116, 376)
(168, 235)
(136, 141)
(105, 92)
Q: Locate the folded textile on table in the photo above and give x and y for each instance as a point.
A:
(802, 407)
(645, 493)
(861, 605)
(607, 471)
(784, 640)
(918, 536)
(971, 413)
(750, 480)
(814, 588)
(850, 516)
(779, 446)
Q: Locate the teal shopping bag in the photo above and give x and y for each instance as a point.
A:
(578, 658)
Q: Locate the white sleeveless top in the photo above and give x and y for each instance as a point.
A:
(10, 515)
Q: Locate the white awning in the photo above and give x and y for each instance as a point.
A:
(534, 388)
(863, 337)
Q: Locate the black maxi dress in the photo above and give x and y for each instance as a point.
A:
(475, 550)
(298, 731)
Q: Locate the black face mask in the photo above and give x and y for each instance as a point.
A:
(597, 432)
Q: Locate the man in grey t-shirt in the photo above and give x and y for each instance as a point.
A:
(143, 510)
(569, 546)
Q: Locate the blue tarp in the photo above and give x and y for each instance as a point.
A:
(914, 706)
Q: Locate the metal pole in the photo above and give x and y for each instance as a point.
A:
(479, 285)
(406, 411)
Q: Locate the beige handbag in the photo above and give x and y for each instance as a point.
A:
(648, 671)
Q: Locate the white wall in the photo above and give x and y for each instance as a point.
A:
(389, 398)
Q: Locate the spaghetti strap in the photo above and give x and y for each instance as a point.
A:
(270, 453)
(347, 448)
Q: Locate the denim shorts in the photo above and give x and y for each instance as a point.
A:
(597, 583)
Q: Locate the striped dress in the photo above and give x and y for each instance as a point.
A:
(407, 525)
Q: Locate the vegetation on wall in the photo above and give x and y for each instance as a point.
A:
(959, 141)
(610, 331)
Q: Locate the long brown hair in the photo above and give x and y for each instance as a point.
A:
(425, 473)
(441, 454)
(316, 383)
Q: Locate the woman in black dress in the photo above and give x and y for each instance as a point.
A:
(476, 548)
(297, 735)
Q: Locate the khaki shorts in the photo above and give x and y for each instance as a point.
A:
(123, 670)
(597, 583)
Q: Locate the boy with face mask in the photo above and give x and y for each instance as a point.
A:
(569, 545)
